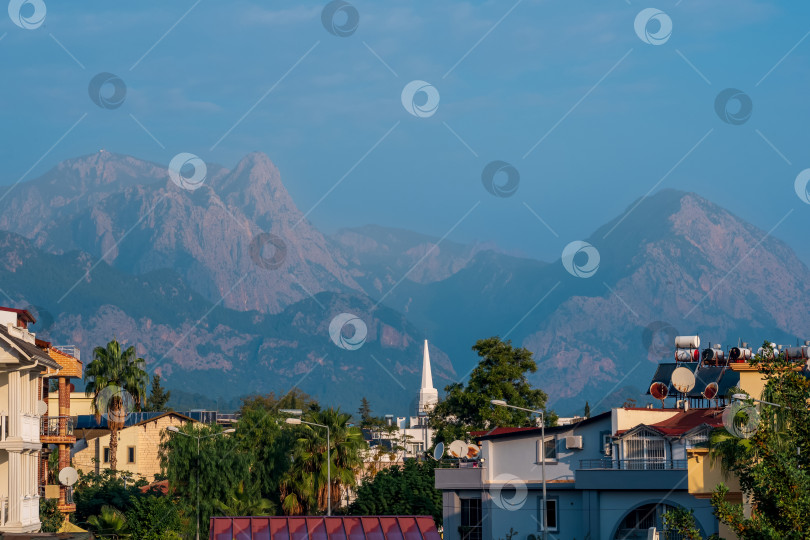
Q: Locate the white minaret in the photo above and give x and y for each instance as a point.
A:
(428, 396)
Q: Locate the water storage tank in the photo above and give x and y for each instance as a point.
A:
(687, 342)
(683, 355)
(796, 353)
(739, 354)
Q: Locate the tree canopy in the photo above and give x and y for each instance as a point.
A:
(400, 490)
(501, 373)
(768, 456)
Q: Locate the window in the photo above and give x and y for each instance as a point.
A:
(606, 443)
(131, 454)
(470, 519)
(106, 454)
(644, 450)
(551, 513)
(550, 450)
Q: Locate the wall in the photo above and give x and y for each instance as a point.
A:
(79, 404)
(623, 419)
(145, 437)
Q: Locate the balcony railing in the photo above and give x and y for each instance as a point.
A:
(634, 464)
(3, 426)
(3, 511)
(55, 426)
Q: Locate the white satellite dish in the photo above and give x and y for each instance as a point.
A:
(42, 408)
(473, 451)
(68, 476)
(438, 452)
(683, 380)
(457, 449)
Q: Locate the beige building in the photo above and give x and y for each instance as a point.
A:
(22, 362)
(138, 443)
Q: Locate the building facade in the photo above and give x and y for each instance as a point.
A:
(138, 443)
(22, 362)
(611, 476)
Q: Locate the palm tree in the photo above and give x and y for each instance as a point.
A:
(110, 523)
(246, 502)
(304, 486)
(117, 381)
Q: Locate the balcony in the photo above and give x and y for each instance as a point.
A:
(632, 474)
(56, 429)
(463, 476)
(27, 428)
(633, 464)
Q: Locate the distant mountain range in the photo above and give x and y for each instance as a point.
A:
(228, 290)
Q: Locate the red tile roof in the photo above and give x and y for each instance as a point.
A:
(683, 422)
(324, 528)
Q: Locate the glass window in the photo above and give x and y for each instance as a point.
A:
(550, 450)
(551, 515)
(131, 454)
(106, 455)
(470, 519)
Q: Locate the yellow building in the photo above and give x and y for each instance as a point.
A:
(138, 443)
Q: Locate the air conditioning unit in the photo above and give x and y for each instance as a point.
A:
(573, 442)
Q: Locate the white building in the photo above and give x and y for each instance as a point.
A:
(22, 362)
(414, 435)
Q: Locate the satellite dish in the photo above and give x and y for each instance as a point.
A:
(42, 408)
(687, 342)
(457, 449)
(68, 476)
(711, 390)
(683, 380)
(472, 451)
(438, 452)
(659, 390)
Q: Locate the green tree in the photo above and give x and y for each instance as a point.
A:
(50, 516)
(246, 502)
(771, 464)
(93, 491)
(113, 378)
(109, 523)
(365, 412)
(400, 490)
(682, 522)
(222, 464)
(154, 517)
(158, 396)
(587, 412)
(269, 447)
(500, 374)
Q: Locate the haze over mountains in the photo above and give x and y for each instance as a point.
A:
(109, 245)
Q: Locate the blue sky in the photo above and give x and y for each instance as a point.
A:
(615, 116)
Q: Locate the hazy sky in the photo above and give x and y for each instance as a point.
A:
(590, 109)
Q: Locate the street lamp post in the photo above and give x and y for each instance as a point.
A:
(502, 403)
(297, 421)
(175, 429)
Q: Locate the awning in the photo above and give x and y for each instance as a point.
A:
(324, 528)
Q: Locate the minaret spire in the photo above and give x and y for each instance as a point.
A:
(428, 396)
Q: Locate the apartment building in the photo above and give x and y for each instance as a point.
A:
(23, 360)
